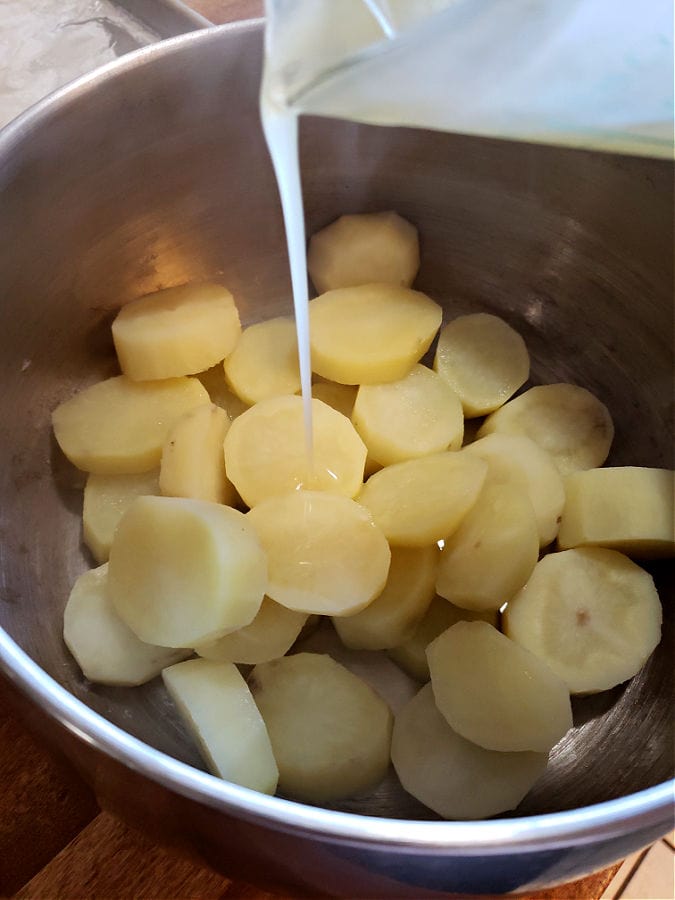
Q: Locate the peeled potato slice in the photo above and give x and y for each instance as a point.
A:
(107, 651)
(265, 361)
(370, 334)
(217, 707)
(517, 461)
(106, 499)
(591, 615)
(483, 359)
(361, 249)
(392, 617)
(455, 778)
(214, 382)
(183, 572)
(567, 421)
(270, 635)
(192, 458)
(414, 416)
(325, 554)
(330, 731)
(492, 553)
(177, 331)
(495, 693)
(421, 501)
(340, 396)
(119, 426)
(266, 451)
(626, 508)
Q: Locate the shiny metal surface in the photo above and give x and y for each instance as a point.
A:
(153, 172)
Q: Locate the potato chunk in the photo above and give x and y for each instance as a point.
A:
(118, 426)
(370, 334)
(106, 499)
(455, 778)
(495, 693)
(414, 416)
(107, 650)
(266, 451)
(265, 361)
(217, 707)
(330, 731)
(362, 249)
(421, 501)
(177, 331)
(627, 508)
(567, 421)
(325, 554)
(591, 615)
(184, 572)
(492, 553)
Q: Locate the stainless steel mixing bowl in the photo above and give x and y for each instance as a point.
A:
(153, 172)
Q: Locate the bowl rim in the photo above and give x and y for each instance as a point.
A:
(648, 809)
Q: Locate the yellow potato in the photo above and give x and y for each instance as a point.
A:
(361, 249)
(118, 426)
(218, 709)
(483, 359)
(340, 396)
(414, 416)
(393, 617)
(214, 382)
(627, 508)
(325, 554)
(495, 693)
(192, 459)
(330, 732)
(106, 499)
(266, 451)
(264, 362)
(421, 501)
(370, 334)
(492, 553)
(184, 572)
(177, 331)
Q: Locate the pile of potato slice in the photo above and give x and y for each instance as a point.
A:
(217, 534)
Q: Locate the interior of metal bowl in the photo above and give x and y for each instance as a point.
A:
(158, 175)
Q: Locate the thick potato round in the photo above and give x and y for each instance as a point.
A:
(362, 249)
(483, 360)
(591, 615)
(214, 382)
(495, 693)
(184, 572)
(370, 334)
(330, 731)
(106, 499)
(421, 501)
(264, 362)
(455, 778)
(266, 451)
(340, 396)
(178, 331)
(325, 554)
(414, 416)
(118, 426)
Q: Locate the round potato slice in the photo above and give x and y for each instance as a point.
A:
(591, 615)
(492, 553)
(495, 693)
(118, 426)
(340, 396)
(421, 501)
(330, 732)
(392, 617)
(325, 554)
(184, 572)
(483, 360)
(455, 778)
(370, 334)
(266, 451)
(106, 499)
(177, 331)
(567, 421)
(264, 362)
(414, 416)
(362, 249)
